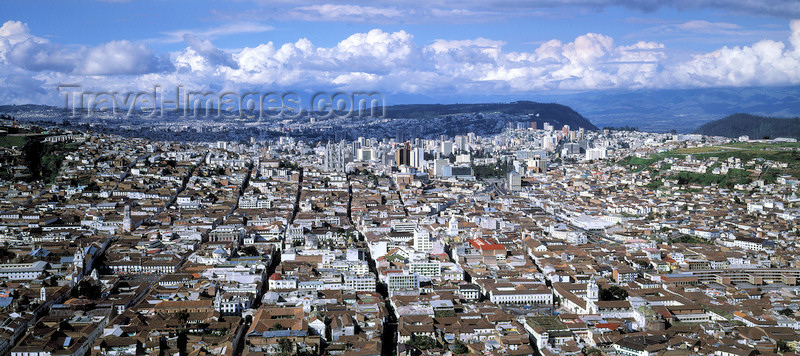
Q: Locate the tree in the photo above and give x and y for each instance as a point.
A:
(92, 187)
(250, 251)
(87, 290)
(285, 347)
(613, 293)
(459, 347)
(422, 342)
(182, 315)
(782, 346)
(786, 312)
(592, 351)
(5, 254)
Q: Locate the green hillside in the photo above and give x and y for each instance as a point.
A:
(756, 127)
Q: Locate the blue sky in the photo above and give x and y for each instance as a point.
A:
(450, 47)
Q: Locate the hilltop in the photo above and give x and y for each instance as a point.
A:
(754, 126)
(556, 114)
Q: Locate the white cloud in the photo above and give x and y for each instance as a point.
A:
(763, 63)
(215, 32)
(347, 13)
(112, 58)
(211, 53)
(393, 62)
(15, 32)
(38, 56)
(477, 11)
(11, 34)
(120, 58)
(702, 26)
(794, 39)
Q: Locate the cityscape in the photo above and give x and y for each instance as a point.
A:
(186, 202)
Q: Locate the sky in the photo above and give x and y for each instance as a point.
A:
(401, 48)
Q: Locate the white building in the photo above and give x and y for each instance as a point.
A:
(22, 271)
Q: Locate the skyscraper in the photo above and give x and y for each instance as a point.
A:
(403, 155)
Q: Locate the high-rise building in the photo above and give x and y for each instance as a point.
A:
(595, 153)
(514, 181)
(334, 157)
(422, 240)
(447, 148)
(365, 154)
(461, 142)
(403, 155)
(417, 157)
(438, 166)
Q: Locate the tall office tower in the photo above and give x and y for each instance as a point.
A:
(514, 182)
(438, 166)
(417, 157)
(403, 155)
(447, 148)
(461, 142)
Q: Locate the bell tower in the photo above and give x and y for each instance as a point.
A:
(592, 291)
(127, 222)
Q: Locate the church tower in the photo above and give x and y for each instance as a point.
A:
(452, 226)
(78, 259)
(127, 222)
(592, 291)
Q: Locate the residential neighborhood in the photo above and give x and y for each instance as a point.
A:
(535, 241)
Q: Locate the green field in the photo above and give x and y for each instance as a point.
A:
(758, 145)
(734, 176)
(778, 152)
(637, 164)
(10, 141)
(699, 150)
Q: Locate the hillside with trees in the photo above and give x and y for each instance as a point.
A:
(756, 127)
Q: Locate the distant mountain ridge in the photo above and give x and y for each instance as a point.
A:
(754, 126)
(556, 114)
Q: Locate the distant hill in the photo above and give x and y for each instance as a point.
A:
(756, 127)
(28, 108)
(556, 114)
